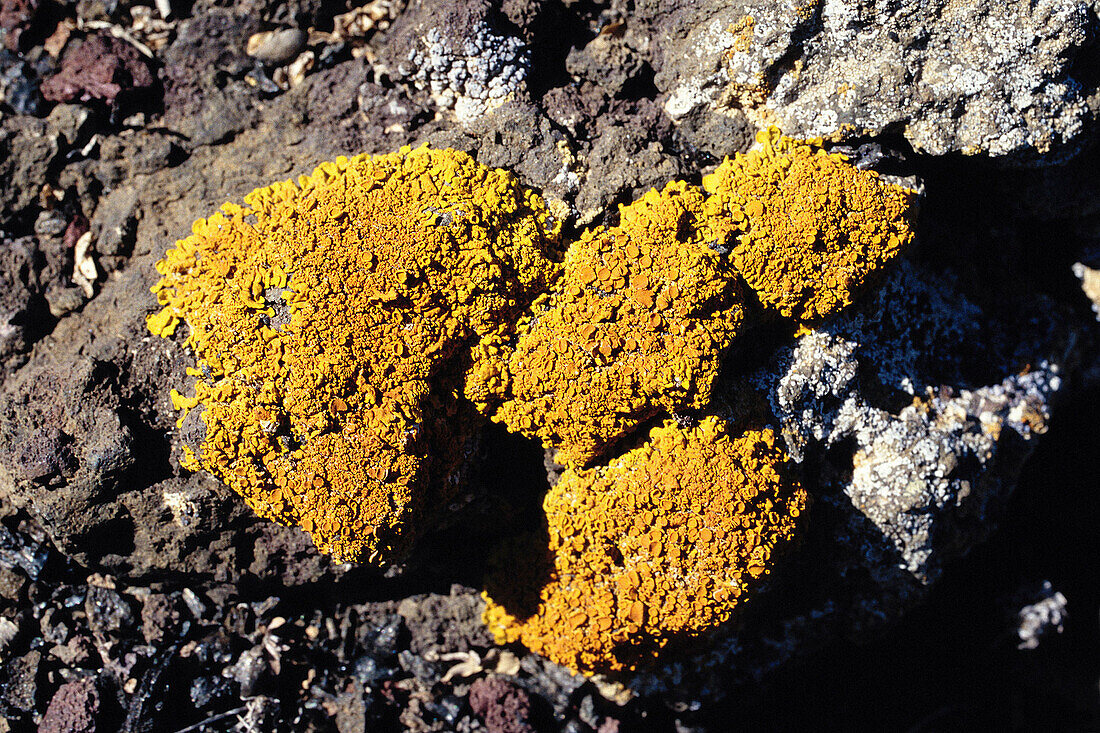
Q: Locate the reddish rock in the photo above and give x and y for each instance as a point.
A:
(73, 709)
(102, 67)
(15, 17)
(504, 707)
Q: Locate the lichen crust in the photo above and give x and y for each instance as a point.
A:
(656, 548)
(330, 319)
(811, 228)
(635, 327)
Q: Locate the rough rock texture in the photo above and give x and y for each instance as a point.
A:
(457, 55)
(985, 77)
(73, 708)
(21, 304)
(102, 67)
(986, 312)
(932, 437)
(1042, 615)
(504, 707)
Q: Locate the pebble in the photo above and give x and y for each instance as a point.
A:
(277, 48)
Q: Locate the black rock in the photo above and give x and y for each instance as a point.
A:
(419, 667)
(449, 709)
(207, 691)
(386, 640)
(108, 612)
(369, 672)
(16, 550)
(19, 82)
(19, 693)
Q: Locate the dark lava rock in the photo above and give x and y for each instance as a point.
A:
(16, 17)
(383, 639)
(76, 652)
(502, 706)
(368, 671)
(80, 440)
(205, 691)
(449, 709)
(19, 82)
(19, 693)
(205, 97)
(351, 709)
(288, 554)
(450, 623)
(249, 670)
(74, 708)
(607, 61)
(27, 151)
(103, 68)
(11, 584)
(17, 550)
(114, 225)
(108, 612)
(160, 617)
(625, 160)
(419, 667)
(23, 312)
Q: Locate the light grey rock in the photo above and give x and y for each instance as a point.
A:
(983, 77)
(1044, 614)
(460, 58)
(910, 455)
(278, 47)
(928, 475)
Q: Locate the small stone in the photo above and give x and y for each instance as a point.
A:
(102, 67)
(75, 652)
(11, 583)
(504, 707)
(277, 48)
(248, 670)
(1090, 284)
(160, 617)
(21, 689)
(108, 612)
(16, 17)
(8, 631)
(73, 708)
(1044, 615)
(351, 709)
(19, 82)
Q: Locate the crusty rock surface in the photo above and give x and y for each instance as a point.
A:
(1001, 79)
(910, 416)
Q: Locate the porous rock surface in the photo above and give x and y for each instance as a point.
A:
(909, 416)
(986, 77)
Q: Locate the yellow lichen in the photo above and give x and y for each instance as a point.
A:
(811, 227)
(635, 325)
(340, 321)
(330, 319)
(656, 548)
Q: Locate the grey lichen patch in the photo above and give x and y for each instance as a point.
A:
(464, 62)
(1090, 284)
(987, 77)
(925, 472)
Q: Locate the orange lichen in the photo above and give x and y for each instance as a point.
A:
(635, 325)
(340, 322)
(331, 320)
(812, 227)
(658, 547)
